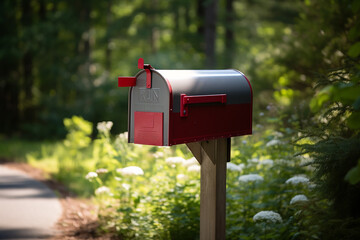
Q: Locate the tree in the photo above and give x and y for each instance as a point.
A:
(9, 68)
(324, 54)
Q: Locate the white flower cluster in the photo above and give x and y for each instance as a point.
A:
(299, 198)
(103, 190)
(91, 175)
(190, 162)
(104, 126)
(181, 177)
(297, 180)
(273, 142)
(123, 136)
(267, 216)
(130, 171)
(251, 178)
(158, 155)
(194, 168)
(233, 167)
(126, 186)
(192, 165)
(174, 160)
(267, 162)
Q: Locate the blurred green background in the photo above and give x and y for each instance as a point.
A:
(61, 58)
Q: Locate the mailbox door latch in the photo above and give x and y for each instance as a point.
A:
(196, 99)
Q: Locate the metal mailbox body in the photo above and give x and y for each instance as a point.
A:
(182, 106)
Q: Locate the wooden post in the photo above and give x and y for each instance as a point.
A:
(212, 156)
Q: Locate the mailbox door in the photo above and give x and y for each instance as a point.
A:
(149, 111)
(149, 128)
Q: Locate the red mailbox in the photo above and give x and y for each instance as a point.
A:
(168, 107)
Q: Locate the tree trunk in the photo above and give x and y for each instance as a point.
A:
(210, 33)
(108, 39)
(200, 13)
(9, 68)
(27, 61)
(229, 34)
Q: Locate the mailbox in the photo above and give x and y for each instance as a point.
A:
(168, 107)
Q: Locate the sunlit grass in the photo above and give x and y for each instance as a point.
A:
(16, 149)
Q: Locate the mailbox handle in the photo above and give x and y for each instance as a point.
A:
(186, 100)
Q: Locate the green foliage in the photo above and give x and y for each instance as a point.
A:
(325, 43)
(54, 69)
(79, 132)
(353, 176)
(158, 197)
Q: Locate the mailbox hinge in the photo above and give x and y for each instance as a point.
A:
(186, 100)
(147, 68)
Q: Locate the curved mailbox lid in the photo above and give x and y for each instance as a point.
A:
(206, 82)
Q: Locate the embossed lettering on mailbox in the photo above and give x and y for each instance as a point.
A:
(149, 95)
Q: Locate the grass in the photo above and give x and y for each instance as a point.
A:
(49, 157)
(17, 149)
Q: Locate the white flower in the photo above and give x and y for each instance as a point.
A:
(299, 198)
(91, 175)
(268, 162)
(174, 160)
(130, 171)
(297, 180)
(126, 186)
(261, 114)
(104, 126)
(101, 170)
(251, 178)
(267, 216)
(102, 190)
(181, 177)
(190, 162)
(158, 154)
(233, 167)
(273, 143)
(194, 168)
(254, 160)
(123, 136)
(278, 134)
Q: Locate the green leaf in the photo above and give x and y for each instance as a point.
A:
(347, 94)
(356, 104)
(322, 97)
(356, 6)
(353, 176)
(353, 121)
(354, 50)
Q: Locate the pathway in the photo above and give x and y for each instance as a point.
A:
(28, 208)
